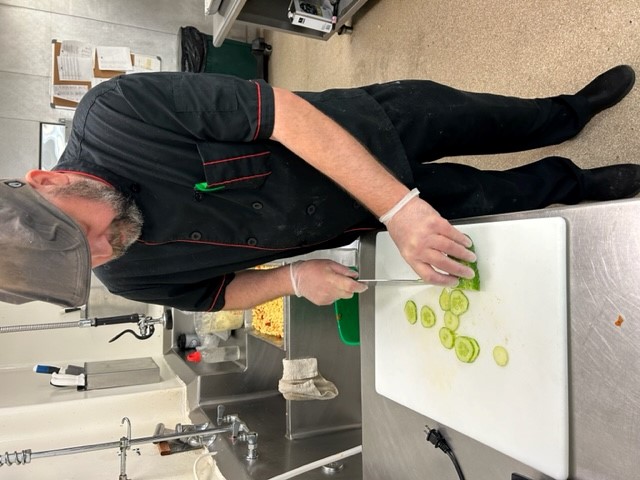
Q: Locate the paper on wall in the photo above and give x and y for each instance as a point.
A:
(74, 47)
(74, 68)
(75, 62)
(146, 63)
(114, 58)
(72, 93)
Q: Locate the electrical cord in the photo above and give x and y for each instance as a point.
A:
(435, 437)
(195, 464)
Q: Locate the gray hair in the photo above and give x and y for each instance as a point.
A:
(128, 221)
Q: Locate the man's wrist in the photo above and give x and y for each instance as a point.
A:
(398, 206)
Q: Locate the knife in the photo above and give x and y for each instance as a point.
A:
(391, 281)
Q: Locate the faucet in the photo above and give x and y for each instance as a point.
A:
(239, 432)
(201, 435)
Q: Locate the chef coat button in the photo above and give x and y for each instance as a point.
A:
(256, 205)
(195, 235)
(135, 187)
(198, 196)
(252, 241)
(311, 209)
(356, 205)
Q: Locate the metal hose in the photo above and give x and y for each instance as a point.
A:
(38, 326)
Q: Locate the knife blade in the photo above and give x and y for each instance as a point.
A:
(391, 281)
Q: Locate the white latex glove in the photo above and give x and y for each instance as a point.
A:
(426, 241)
(324, 281)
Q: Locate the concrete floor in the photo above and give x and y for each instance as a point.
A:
(530, 48)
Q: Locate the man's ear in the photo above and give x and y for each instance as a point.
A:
(41, 179)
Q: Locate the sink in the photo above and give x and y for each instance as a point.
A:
(56, 419)
(276, 453)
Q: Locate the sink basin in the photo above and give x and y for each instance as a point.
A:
(42, 418)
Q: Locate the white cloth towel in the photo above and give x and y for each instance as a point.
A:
(301, 381)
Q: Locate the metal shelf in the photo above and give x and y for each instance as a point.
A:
(272, 15)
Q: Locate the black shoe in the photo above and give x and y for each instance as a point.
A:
(608, 88)
(612, 183)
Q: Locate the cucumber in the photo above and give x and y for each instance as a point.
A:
(451, 321)
(445, 300)
(427, 317)
(470, 283)
(466, 349)
(459, 302)
(500, 355)
(411, 311)
(447, 337)
(476, 347)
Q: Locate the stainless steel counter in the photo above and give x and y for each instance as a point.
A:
(604, 364)
(277, 454)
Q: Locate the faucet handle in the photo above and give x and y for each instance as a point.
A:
(220, 414)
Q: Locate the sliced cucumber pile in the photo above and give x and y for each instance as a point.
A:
(454, 303)
(466, 348)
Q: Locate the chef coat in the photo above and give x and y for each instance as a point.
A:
(217, 196)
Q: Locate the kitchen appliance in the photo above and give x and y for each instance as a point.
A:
(520, 409)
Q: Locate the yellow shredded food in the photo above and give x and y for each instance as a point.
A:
(268, 318)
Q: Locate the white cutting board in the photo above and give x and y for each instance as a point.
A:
(521, 409)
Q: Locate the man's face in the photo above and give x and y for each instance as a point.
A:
(96, 221)
(109, 223)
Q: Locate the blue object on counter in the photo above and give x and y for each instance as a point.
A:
(46, 369)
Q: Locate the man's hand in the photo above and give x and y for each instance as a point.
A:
(427, 241)
(324, 281)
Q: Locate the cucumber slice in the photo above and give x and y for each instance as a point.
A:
(476, 347)
(465, 349)
(500, 355)
(470, 283)
(411, 311)
(451, 321)
(459, 302)
(445, 300)
(447, 337)
(427, 317)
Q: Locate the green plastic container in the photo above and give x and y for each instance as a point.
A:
(231, 58)
(348, 318)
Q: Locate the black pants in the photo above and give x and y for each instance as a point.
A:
(436, 121)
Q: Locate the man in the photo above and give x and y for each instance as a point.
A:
(199, 177)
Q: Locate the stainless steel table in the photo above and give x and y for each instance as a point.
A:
(604, 364)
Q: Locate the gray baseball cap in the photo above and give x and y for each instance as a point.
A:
(43, 253)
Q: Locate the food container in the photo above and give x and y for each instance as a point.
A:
(212, 322)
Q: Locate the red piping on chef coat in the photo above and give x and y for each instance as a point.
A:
(258, 125)
(237, 245)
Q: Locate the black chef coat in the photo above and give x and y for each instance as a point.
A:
(155, 137)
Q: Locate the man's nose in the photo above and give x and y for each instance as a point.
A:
(101, 250)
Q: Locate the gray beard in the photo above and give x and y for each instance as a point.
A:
(127, 224)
